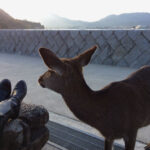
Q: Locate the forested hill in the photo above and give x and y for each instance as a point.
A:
(8, 22)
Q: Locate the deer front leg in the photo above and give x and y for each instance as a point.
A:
(130, 141)
(108, 144)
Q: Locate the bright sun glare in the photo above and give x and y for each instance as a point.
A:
(74, 9)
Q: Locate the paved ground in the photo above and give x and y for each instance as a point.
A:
(16, 67)
(52, 146)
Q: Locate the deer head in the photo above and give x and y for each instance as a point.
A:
(63, 73)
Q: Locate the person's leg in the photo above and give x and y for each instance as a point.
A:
(5, 89)
(9, 108)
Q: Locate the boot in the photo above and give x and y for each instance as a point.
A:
(19, 92)
(17, 96)
(5, 89)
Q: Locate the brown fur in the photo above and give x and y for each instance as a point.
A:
(117, 111)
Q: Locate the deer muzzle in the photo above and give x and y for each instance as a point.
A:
(41, 82)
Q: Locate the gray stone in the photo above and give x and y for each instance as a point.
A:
(147, 34)
(97, 52)
(127, 43)
(62, 51)
(46, 33)
(58, 40)
(142, 43)
(120, 34)
(122, 63)
(113, 44)
(107, 33)
(81, 46)
(72, 52)
(113, 41)
(53, 32)
(108, 61)
(106, 52)
(31, 47)
(35, 41)
(18, 48)
(55, 48)
(96, 60)
(24, 48)
(100, 40)
(64, 34)
(78, 40)
(39, 34)
(142, 60)
(11, 46)
(74, 33)
(118, 53)
(135, 64)
(51, 40)
(43, 43)
(133, 34)
(132, 55)
(84, 33)
(69, 41)
(96, 34)
(89, 41)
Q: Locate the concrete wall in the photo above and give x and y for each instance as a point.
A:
(129, 48)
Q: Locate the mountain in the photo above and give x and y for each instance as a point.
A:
(57, 22)
(122, 21)
(8, 22)
(127, 19)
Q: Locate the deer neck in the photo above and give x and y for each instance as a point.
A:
(79, 98)
(80, 92)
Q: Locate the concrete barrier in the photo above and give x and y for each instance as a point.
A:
(129, 48)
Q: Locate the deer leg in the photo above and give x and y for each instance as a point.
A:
(130, 141)
(108, 144)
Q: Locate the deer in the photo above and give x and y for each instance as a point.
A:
(117, 111)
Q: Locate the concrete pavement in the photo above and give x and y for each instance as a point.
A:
(16, 67)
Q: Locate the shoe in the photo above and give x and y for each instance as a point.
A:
(5, 89)
(19, 92)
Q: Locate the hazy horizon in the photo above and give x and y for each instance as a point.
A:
(84, 10)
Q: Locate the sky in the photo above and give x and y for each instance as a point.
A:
(87, 10)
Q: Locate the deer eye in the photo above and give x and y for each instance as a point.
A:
(51, 71)
(48, 74)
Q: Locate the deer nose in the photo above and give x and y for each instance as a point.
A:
(41, 82)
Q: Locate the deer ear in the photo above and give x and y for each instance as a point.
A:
(51, 60)
(84, 58)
